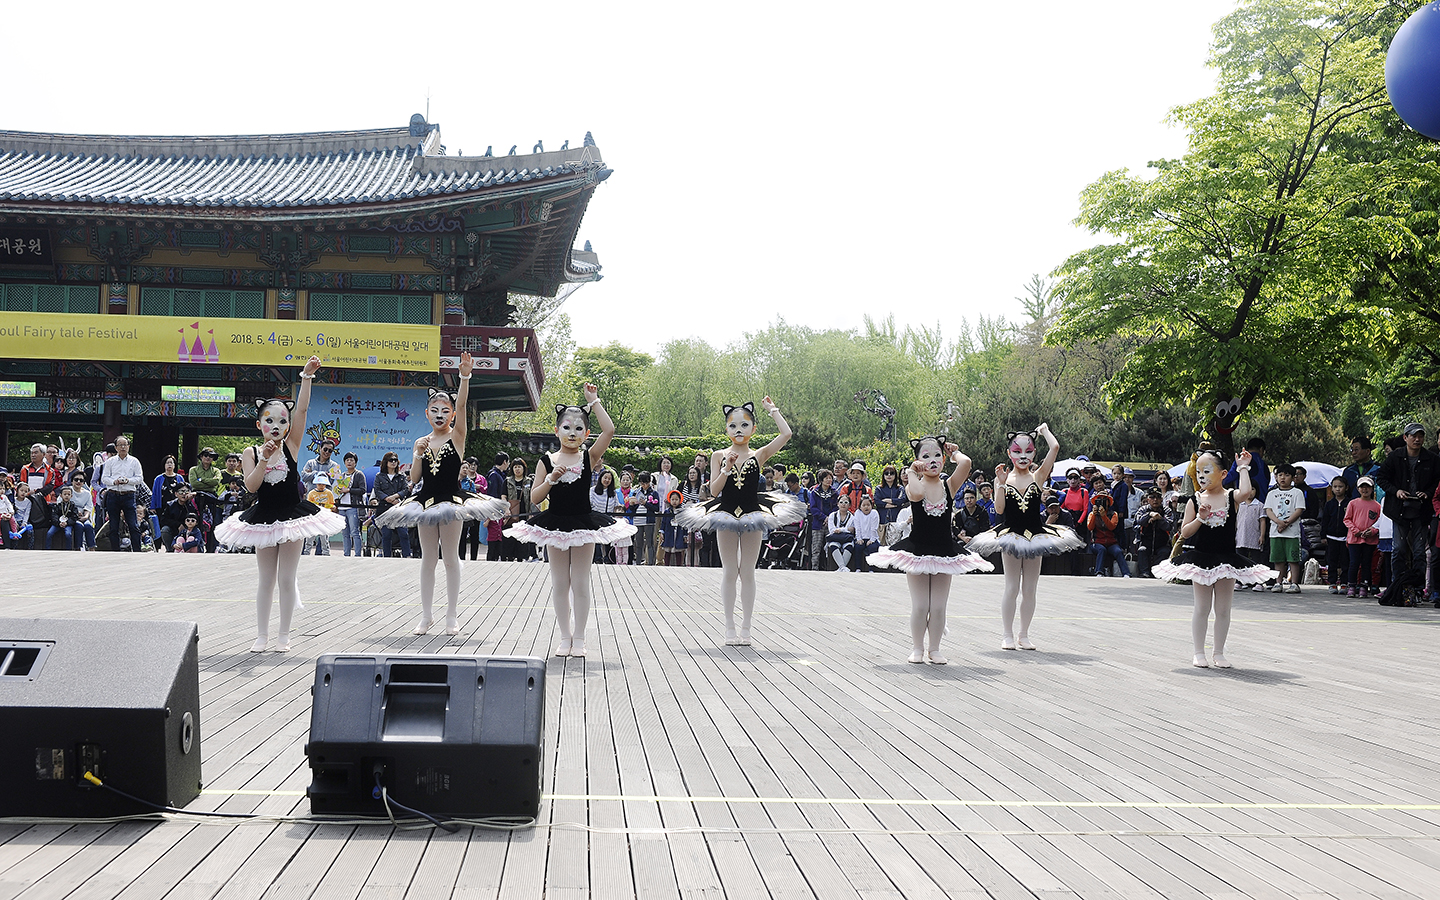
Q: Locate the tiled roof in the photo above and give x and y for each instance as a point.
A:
(262, 172)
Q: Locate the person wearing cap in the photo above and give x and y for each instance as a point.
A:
(191, 537)
(323, 497)
(1409, 477)
(856, 486)
(172, 515)
(1362, 536)
(205, 477)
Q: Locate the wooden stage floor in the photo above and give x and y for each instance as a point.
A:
(816, 763)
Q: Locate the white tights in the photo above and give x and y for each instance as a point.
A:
(739, 551)
(929, 595)
(1021, 577)
(278, 567)
(622, 556)
(1219, 595)
(432, 538)
(570, 578)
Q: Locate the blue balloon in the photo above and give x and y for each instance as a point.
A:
(1412, 71)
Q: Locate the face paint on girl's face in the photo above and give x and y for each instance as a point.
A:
(440, 411)
(739, 426)
(274, 422)
(932, 457)
(571, 430)
(1022, 451)
(1207, 472)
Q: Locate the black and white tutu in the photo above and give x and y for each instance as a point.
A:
(930, 548)
(1024, 531)
(775, 511)
(467, 507)
(569, 521)
(742, 506)
(1207, 568)
(1209, 555)
(279, 515)
(923, 564)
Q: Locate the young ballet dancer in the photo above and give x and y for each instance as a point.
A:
(440, 509)
(1208, 557)
(569, 526)
(280, 520)
(1023, 537)
(929, 556)
(739, 513)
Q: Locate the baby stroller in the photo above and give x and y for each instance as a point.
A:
(784, 549)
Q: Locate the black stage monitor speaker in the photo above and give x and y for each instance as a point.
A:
(120, 700)
(447, 735)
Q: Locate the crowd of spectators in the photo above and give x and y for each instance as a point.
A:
(1373, 526)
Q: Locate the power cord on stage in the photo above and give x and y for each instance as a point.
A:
(421, 820)
(382, 794)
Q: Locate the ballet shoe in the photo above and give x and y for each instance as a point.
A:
(423, 626)
(577, 649)
(259, 645)
(744, 639)
(935, 660)
(1025, 644)
(1007, 644)
(1219, 661)
(563, 648)
(1200, 662)
(916, 656)
(282, 644)
(452, 625)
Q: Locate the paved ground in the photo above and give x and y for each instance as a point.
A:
(816, 763)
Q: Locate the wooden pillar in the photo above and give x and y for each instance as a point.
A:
(189, 446)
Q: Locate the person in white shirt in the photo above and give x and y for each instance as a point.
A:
(866, 525)
(84, 524)
(121, 474)
(1284, 507)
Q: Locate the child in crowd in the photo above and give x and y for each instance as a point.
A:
(1284, 507)
(190, 538)
(324, 498)
(1250, 524)
(62, 519)
(1362, 534)
(7, 513)
(1336, 532)
(22, 533)
(866, 526)
(672, 536)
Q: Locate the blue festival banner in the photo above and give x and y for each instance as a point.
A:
(367, 420)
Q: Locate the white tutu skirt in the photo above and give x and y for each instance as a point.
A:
(775, 513)
(1198, 574)
(565, 540)
(235, 532)
(916, 564)
(1041, 543)
(410, 513)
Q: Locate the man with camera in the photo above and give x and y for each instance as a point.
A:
(1409, 476)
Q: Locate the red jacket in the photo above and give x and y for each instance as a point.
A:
(1102, 525)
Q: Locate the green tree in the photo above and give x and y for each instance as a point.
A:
(1233, 267)
(616, 371)
(682, 388)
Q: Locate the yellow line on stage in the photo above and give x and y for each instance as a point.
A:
(896, 801)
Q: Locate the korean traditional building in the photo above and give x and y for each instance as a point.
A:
(375, 249)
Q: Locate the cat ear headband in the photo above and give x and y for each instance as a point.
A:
(748, 406)
(1012, 435)
(915, 444)
(561, 409)
(454, 400)
(261, 404)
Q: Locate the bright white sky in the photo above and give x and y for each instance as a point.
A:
(818, 161)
